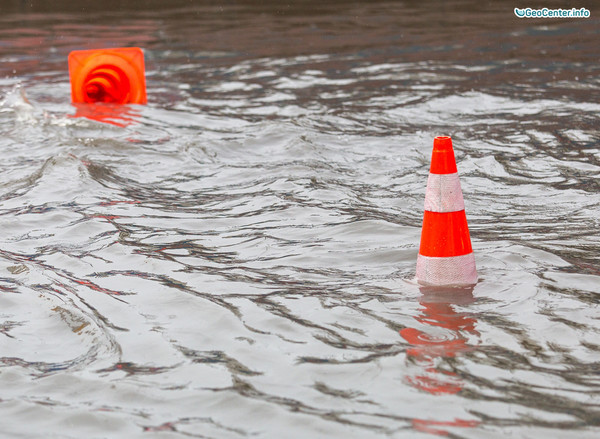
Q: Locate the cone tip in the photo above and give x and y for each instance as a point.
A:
(442, 158)
(442, 143)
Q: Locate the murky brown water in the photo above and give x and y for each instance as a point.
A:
(236, 259)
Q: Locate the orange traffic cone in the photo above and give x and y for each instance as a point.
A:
(445, 255)
(108, 75)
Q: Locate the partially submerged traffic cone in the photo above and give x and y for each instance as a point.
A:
(108, 75)
(445, 255)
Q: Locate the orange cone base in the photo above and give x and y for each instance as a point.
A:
(114, 76)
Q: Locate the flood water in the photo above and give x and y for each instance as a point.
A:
(236, 259)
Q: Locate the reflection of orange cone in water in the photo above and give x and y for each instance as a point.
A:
(445, 255)
(115, 114)
(439, 427)
(108, 75)
(427, 348)
(448, 338)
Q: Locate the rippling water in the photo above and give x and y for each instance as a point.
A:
(236, 259)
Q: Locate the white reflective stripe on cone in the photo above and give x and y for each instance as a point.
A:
(443, 193)
(454, 270)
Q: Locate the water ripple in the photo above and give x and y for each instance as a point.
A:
(237, 257)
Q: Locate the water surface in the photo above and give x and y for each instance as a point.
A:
(236, 259)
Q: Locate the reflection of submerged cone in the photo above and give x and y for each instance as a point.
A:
(448, 335)
(445, 256)
(114, 114)
(108, 75)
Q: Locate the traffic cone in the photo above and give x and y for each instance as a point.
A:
(445, 254)
(108, 75)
